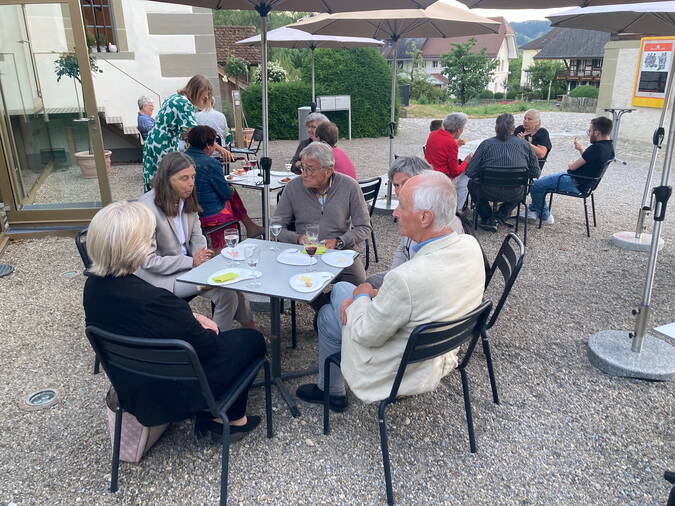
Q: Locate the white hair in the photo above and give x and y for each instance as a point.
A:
(433, 191)
(535, 115)
(320, 152)
(143, 101)
(316, 117)
(455, 121)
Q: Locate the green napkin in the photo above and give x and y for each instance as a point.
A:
(224, 277)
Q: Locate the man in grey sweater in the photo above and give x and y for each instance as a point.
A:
(333, 201)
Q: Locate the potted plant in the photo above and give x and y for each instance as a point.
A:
(66, 66)
(91, 42)
(102, 43)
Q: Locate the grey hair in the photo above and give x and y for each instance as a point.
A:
(316, 116)
(408, 165)
(434, 192)
(535, 113)
(143, 101)
(454, 121)
(320, 152)
(504, 126)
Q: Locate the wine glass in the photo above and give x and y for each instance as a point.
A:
(311, 243)
(254, 167)
(275, 229)
(231, 236)
(252, 259)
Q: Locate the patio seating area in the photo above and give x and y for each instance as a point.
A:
(564, 432)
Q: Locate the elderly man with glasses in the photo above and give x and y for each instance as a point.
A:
(331, 200)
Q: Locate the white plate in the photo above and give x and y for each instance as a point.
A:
(343, 258)
(319, 280)
(239, 253)
(282, 173)
(293, 256)
(235, 179)
(242, 274)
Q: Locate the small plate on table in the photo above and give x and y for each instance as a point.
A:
(282, 173)
(343, 258)
(225, 277)
(236, 253)
(309, 281)
(235, 179)
(293, 256)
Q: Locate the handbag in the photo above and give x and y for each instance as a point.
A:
(136, 439)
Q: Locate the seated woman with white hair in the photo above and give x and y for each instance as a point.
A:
(538, 137)
(145, 120)
(312, 121)
(119, 240)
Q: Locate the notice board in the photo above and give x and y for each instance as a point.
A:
(653, 67)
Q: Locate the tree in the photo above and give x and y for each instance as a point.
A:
(275, 73)
(542, 78)
(468, 72)
(515, 68)
(235, 67)
(420, 87)
(275, 19)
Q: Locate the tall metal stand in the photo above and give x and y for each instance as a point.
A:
(264, 9)
(617, 113)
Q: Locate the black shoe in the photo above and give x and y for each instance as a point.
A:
(502, 221)
(239, 433)
(489, 225)
(312, 394)
(205, 424)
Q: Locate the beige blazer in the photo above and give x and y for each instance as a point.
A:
(166, 260)
(443, 281)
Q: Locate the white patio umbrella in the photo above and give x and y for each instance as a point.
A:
(653, 18)
(437, 20)
(264, 7)
(298, 39)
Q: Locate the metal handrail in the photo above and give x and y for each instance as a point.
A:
(159, 97)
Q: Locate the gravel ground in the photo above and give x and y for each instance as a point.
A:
(565, 433)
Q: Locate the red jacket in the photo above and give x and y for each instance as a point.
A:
(442, 153)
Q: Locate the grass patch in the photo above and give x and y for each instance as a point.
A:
(488, 110)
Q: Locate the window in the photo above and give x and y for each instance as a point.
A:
(98, 23)
(434, 63)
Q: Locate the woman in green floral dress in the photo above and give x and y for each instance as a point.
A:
(174, 120)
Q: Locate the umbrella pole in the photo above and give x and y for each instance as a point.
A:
(313, 78)
(263, 10)
(392, 123)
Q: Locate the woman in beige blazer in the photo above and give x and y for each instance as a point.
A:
(179, 244)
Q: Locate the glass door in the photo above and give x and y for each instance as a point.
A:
(52, 167)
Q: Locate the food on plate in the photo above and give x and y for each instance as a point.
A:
(239, 172)
(225, 277)
(307, 280)
(285, 179)
(230, 178)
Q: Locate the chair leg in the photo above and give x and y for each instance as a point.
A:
(384, 444)
(467, 408)
(588, 228)
(326, 396)
(97, 365)
(490, 368)
(524, 226)
(377, 257)
(294, 333)
(518, 218)
(116, 449)
(367, 255)
(595, 223)
(268, 399)
(225, 463)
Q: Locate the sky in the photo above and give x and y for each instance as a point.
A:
(516, 14)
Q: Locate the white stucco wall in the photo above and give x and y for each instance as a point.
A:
(528, 61)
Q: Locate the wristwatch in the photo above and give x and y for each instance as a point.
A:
(339, 243)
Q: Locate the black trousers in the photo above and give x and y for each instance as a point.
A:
(509, 200)
(237, 350)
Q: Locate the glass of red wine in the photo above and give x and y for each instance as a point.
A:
(311, 243)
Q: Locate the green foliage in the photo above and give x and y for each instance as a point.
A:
(542, 75)
(284, 100)
(236, 68)
(515, 68)
(66, 66)
(585, 92)
(291, 60)
(420, 88)
(275, 19)
(499, 95)
(468, 72)
(486, 95)
(275, 73)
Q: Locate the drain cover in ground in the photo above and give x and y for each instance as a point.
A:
(5, 270)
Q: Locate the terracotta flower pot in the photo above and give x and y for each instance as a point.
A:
(87, 163)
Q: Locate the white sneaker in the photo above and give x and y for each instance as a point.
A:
(549, 220)
(531, 215)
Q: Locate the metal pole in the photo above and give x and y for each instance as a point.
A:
(659, 214)
(263, 10)
(313, 84)
(394, 71)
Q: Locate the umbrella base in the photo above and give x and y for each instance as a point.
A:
(610, 351)
(627, 240)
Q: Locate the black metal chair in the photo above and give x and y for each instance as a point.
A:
(593, 183)
(509, 261)
(170, 361)
(81, 243)
(670, 478)
(253, 146)
(426, 342)
(371, 189)
(504, 177)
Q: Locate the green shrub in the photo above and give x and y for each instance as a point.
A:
(499, 95)
(585, 92)
(284, 100)
(513, 94)
(486, 95)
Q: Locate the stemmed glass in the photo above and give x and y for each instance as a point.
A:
(231, 236)
(275, 229)
(252, 259)
(311, 243)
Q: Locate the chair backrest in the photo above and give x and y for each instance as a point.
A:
(603, 169)
(157, 360)
(509, 261)
(371, 189)
(431, 340)
(504, 176)
(257, 138)
(81, 243)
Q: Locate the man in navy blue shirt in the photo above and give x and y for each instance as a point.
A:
(589, 164)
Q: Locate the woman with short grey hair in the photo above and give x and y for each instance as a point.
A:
(311, 122)
(145, 120)
(442, 152)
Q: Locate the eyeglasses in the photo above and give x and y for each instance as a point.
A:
(309, 170)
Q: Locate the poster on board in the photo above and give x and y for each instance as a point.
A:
(656, 54)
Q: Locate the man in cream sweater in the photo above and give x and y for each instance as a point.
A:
(443, 281)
